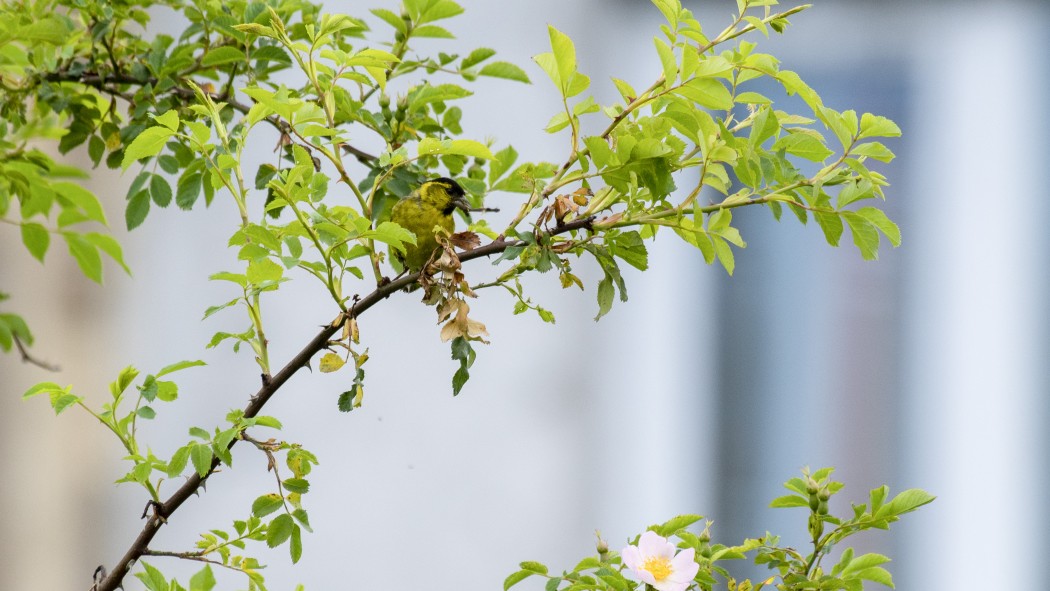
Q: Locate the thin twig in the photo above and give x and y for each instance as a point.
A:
(27, 358)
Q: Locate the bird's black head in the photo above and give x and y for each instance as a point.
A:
(458, 197)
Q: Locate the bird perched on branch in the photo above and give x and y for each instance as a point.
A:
(421, 212)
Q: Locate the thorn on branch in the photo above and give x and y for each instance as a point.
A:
(155, 506)
(98, 576)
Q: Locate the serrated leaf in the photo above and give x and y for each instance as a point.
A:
(86, 255)
(476, 57)
(138, 208)
(433, 146)
(667, 61)
(879, 219)
(803, 145)
(279, 530)
(296, 485)
(515, 578)
(169, 119)
(219, 56)
(181, 365)
(82, 198)
(36, 240)
(789, 501)
(331, 362)
(267, 504)
(201, 456)
(202, 580)
(147, 144)
(160, 190)
(865, 236)
(505, 70)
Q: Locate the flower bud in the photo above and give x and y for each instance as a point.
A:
(824, 494)
(384, 101)
(811, 486)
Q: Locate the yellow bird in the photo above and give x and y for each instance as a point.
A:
(422, 212)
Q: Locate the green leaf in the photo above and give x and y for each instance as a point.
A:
(707, 92)
(476, 57)
(152, 578)
(878, 218)
(36, 240)
(564, 54)
(178, 462)
(219, 56)
(535, 567)
(138, 207)
(504, 70)
(201, 456)
(630, 247)
(865, 236)
(831, 225)
(803, 145)
(464, 353)
(394, 235)
(237, 278)
(147, 144)
(296, 485)
(671, 10)
(433, 31)
(905, 502)
(279, 530)
(430, 146)
(82, 198)
(877, 126)
(667, 61)
(203, 580)
(86, 255)
(789, 501)
(160, 190)
(873, 150)
(169, 119)
(606, 291)
(267, 504)
(295, 546)
(391, 19)
(42, 388)
(262, 270)
(181, 365)
(516, 578)
(188, 189)
(672, 526)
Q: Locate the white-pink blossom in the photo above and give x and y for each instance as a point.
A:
(654, 562)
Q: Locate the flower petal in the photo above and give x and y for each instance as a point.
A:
(653, 544)
(669, 585)
(632, 558)
(684, 566)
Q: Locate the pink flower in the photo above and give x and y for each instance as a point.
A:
(655, 563)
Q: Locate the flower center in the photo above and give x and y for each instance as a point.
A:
(658, 566)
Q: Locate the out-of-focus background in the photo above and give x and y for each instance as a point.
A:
(702, 394)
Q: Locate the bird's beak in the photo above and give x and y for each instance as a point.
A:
(461, 202)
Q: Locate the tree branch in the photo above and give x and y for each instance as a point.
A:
(140, 547)
(101, 83)
(27, 358)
